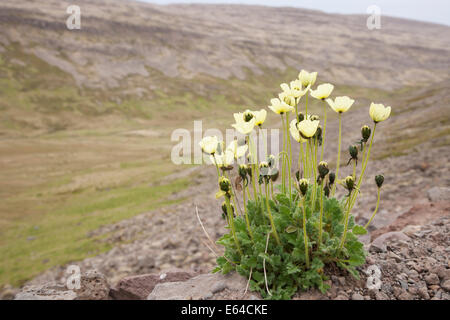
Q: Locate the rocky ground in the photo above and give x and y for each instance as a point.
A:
(412, 265)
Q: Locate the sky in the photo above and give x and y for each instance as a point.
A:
(437, 11)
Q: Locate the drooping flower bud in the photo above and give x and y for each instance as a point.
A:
(323, 169)
(300, 117)
(365, 133)
(350, 183)
(353, 150)
(264, 171)
(264, 168)
(243, 171)
(225, 211)
(224, 184)
(326, 191)
(379, 179)
(331, 178)
(303, 186)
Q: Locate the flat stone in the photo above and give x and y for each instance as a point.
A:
(139, 287)
(197, 286)
(379, 244)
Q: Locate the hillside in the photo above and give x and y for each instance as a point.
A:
(86, 115)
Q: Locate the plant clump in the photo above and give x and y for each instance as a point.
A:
(292, 226)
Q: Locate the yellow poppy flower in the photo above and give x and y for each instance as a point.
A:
(224, 160)
(378, 112)
(260, 117)
(238, 151)
(307, 78)
(280, 107)
(340, 104)
(245, 121)
(295, 132)
(209, 144)
(246, 116)
(308, 128)
(322, 91)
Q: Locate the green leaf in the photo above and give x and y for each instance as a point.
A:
(291, 229)
(359, 230)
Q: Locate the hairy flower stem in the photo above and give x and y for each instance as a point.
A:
(303, 159)
(306, 107)
(354, 169)
(376, 209)
(254, 166)
(347, 214)
(264, 137)
(283, 167)
(217, 167)
(231, 223)
(274, 230)
(364, 165)
(247, 221)
(234, 197)
(321, 215)
(305, 236)
(290, 155)
(324, 128)
(314, 191)
(339, 154)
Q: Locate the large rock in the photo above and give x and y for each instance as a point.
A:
(379, 244)
(437, 194)
(93, 286)
(139, 287)
(204, 286)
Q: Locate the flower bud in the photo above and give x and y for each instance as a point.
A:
(224, 184)
(379, 179)
(224, 209)
(331, 177)
(365, 133)
(243, 171)
(303, 186)
(326, 191)
(248, 115)
(264, 168)
(318, 133)
(353, 150)
(323, 169)
(350, 183)
(249, 171)
(300, 117)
